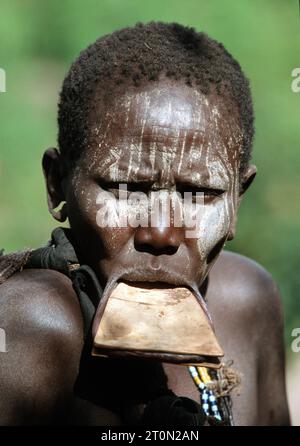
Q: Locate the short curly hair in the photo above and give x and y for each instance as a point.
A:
(140, 54)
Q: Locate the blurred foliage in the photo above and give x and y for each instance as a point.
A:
(39, 40)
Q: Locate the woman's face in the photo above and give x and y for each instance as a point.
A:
(162, 140)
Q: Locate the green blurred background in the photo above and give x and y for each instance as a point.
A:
(39, 40)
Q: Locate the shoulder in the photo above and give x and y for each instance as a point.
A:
(245, 285)
(244, 271)
(41, 319)
(39, 297)
(247, 304)
(243, 295)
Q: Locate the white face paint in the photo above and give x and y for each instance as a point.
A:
(162, 137)
(213, 226)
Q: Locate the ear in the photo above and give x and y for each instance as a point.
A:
(246, 181)
(53, 173)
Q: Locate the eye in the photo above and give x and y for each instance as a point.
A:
(117, 189)
(123, 190)
(208, 194)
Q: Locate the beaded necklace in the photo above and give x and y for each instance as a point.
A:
(221, 409)
(208, 400)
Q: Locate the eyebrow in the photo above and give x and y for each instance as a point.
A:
(205, 183)
(207, 177)
(122, 177)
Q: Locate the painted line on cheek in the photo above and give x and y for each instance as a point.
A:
(226, 209)
(208, 147)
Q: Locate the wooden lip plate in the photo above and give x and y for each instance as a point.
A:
(156, 322)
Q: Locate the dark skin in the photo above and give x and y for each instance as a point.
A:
(40, 312)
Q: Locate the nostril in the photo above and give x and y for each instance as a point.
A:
(157, 241)
(155, 251)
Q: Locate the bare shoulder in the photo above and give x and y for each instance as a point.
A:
(246, 294)
(39, 310)
(40, 315)
(246, 306)
(244, 284)
(36, 299)
(44, 279)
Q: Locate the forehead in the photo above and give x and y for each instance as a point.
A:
(166, 126)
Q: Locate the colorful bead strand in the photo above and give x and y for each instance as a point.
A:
(201, 378)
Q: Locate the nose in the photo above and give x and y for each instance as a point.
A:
(158, 240)
(161, 237)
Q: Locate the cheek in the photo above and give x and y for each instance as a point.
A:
(214, 224)
(96, 218)
(82, 203)
(111, 225)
